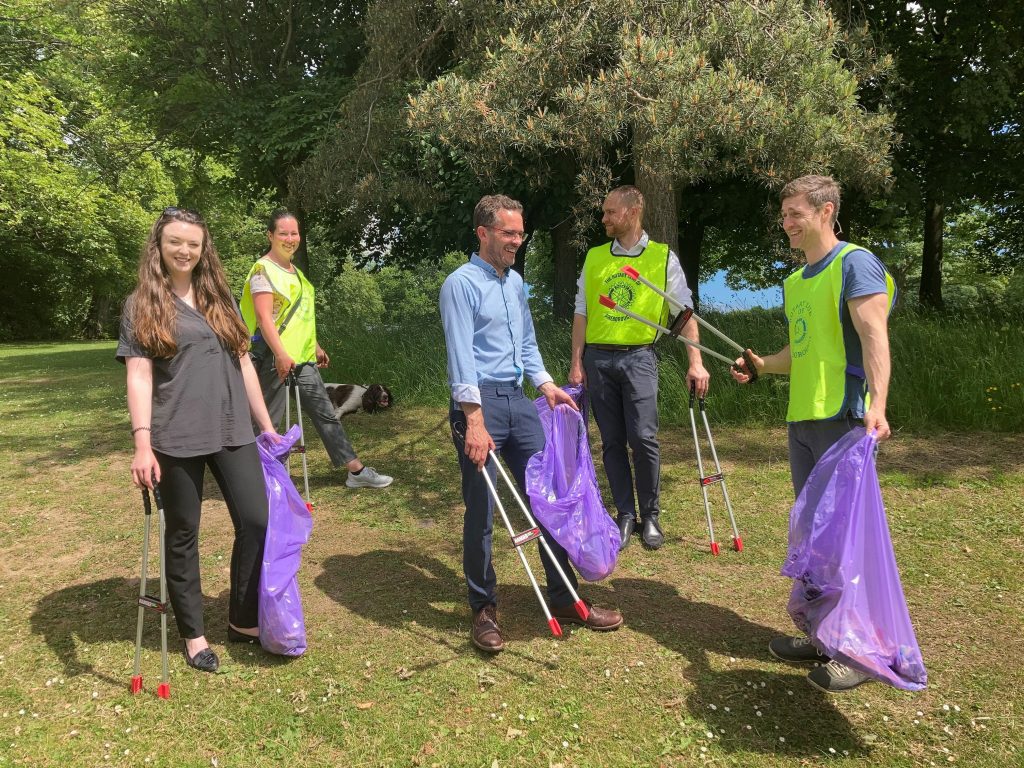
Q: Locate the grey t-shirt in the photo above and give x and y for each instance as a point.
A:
(199, 400)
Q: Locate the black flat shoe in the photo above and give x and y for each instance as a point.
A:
(234, 636)
(205, 660)
(626, 527)
(651, 532)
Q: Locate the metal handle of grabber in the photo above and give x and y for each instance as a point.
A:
(518, 540)
(293, 386)
(149, 601)
(688, 313)
(607, 301)
(706, 480)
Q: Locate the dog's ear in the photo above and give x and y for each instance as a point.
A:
(370, 399)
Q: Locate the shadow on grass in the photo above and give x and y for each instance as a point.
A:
(416, 583)
(694, 630)
(356, 582)
(105, 611)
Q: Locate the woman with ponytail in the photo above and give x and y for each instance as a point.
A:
(192, 397)
(277, 304)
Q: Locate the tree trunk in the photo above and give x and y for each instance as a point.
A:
(661, 216)
(100, 321)
(931, 257)
(566, 270)
(690, 241)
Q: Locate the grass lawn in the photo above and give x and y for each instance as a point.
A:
(390, 677)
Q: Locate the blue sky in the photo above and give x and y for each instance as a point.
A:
(714, 292)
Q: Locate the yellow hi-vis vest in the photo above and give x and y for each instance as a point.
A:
(299, 337)
(817, 376)
(602, 274)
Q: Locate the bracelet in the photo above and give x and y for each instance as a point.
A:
(137, 429)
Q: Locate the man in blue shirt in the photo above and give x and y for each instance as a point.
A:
(491, 346)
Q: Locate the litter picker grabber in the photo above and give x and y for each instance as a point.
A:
(685, 313)
(519, 539)
(293, 386)
(612, 304)
(149, 602)
(716, 479)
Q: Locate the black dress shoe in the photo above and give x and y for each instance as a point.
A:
(626, 526)
(234, 636)
(205, 660)
(651, 532)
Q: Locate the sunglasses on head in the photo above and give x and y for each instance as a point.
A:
(175, 211)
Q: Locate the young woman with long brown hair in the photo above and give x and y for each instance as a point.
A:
(192, 397)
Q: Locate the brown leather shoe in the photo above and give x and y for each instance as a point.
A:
(600, 619)
(486, 634)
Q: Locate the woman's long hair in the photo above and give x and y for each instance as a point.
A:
(153, 312)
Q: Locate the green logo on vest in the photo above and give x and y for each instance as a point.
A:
(622, 290)
(800, 335)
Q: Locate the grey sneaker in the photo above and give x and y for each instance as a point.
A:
(795, 650)
(368, 478)
(835, 677)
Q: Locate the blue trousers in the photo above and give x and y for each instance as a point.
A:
(512, 421)
(623, 391)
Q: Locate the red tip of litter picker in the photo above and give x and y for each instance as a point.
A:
(628, 270)
(136, 683)
(309, 506)
(556, 628)
(607, 302)
(164, 690)
(714, 547)
(581, 609)
(738, 544)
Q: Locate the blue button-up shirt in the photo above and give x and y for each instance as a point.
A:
(488, 330)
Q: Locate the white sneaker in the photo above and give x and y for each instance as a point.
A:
(368, 478)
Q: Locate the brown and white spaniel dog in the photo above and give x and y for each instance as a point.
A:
(349, 398)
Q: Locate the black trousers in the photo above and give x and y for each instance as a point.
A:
(240, 476)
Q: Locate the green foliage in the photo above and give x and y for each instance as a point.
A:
(555, 103)
(956, 99)
(77, 174)
(695, 91)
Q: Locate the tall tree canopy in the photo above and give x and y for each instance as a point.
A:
(959, 105)
(571, 98)
(252, 83)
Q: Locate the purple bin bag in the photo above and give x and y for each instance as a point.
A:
(282, 627)
(564, 496)
(847, 594)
